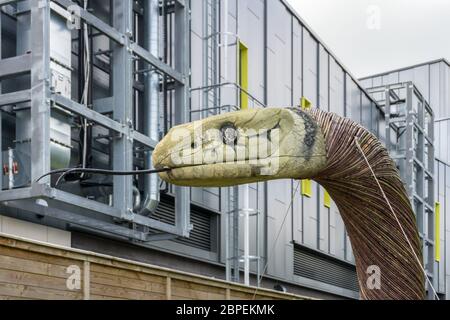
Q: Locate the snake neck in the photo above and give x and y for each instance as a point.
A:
(374, 230)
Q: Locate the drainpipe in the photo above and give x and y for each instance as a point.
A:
(151, 104)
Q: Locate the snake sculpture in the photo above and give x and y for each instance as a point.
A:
(339, 154)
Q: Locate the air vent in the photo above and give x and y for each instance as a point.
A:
(201, 219)
(316, 266)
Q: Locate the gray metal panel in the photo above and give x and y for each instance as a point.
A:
(353, 102)
(337, 78)
(440, 268)
(251, 18)
(323, 79)
(310, 71)
(297, 62)
(340, 243)
(446, 215)
(279, 234)
(324, 223)
(311, 215)
(279, 55)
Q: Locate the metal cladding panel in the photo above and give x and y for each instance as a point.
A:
(279, 229)
(197, 17)
(279, 55)
(366, 113)
(447, 230)
(298, 213)
(251, 18)
(311, 215)
(441, 199)
(353, 100)
(337, 94)
(254, 223)
(340, 237)
(324, 223)
(310, 60)
(442, 140)
(297, 66)
(333, 233)
(323, 79)
(445, 107)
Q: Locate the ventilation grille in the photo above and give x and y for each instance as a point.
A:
(201, 219)
(315, 266)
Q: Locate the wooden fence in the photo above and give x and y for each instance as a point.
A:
(34, 270)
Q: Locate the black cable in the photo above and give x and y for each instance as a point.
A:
(65, 172)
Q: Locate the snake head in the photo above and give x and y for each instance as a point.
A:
(242, 147)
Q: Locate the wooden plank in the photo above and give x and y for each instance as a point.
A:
(31, 266)
(45, 258)
(31, 279)
(124, 293)
(169, 288)
(39, 293)
(101, 297)
(86, 280)
(129, 274)
(122, 282)
(198, 287)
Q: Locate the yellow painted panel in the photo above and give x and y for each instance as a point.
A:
(307, 188)
(437, 233)
(327, 199)
(243, 74)
(306, 104)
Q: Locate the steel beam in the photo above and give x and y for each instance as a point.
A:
(162, 67)
(77, 219)
(102, 120)
(122, 11)
(182, 36)
(15, 66)
(92, 20)
(40, 88)
(15, 98)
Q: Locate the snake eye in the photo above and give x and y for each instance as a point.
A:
(229, 134)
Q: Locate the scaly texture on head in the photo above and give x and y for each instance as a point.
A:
(216, 152)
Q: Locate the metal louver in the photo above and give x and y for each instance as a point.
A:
(201, 219)
(316, 266)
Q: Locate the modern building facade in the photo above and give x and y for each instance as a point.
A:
(152, 65)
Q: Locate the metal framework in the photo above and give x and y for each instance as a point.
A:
(409, 133)
(117, 217)
(220, 94)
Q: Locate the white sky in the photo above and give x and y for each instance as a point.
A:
(372, 36)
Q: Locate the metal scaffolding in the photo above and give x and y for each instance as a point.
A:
(409, 137)
(124, 55)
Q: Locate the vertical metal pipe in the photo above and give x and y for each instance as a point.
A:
(246, 211)
(151, 103)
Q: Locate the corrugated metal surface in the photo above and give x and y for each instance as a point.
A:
(309, 264)
(201, 219)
